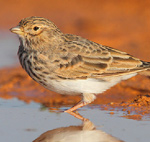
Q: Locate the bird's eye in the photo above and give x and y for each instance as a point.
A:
(35, 28)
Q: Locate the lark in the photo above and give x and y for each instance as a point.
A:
(70, 64)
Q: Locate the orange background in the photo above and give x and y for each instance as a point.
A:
(121, 24)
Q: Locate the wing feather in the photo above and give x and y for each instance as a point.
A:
(85, 59)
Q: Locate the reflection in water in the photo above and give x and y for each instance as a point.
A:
(84, 133)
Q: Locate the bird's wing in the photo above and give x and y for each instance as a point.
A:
(81, 58)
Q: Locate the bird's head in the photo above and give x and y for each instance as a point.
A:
(34, 30)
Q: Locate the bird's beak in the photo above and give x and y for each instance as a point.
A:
(16, 30)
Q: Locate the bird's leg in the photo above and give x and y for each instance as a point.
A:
(80, 104)
(87, 98)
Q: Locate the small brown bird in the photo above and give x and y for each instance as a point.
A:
(69, 64)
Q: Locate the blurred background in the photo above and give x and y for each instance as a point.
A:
(121, 24)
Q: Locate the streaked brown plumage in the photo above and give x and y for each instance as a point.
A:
(70, 64)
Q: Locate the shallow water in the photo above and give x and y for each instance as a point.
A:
(25, 122)
(8, 49)
(21, 122)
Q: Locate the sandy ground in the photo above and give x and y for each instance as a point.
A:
(120, 24)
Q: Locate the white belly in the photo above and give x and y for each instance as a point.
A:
(91, 85)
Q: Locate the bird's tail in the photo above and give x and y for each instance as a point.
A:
(145, 72)
(146, 64)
